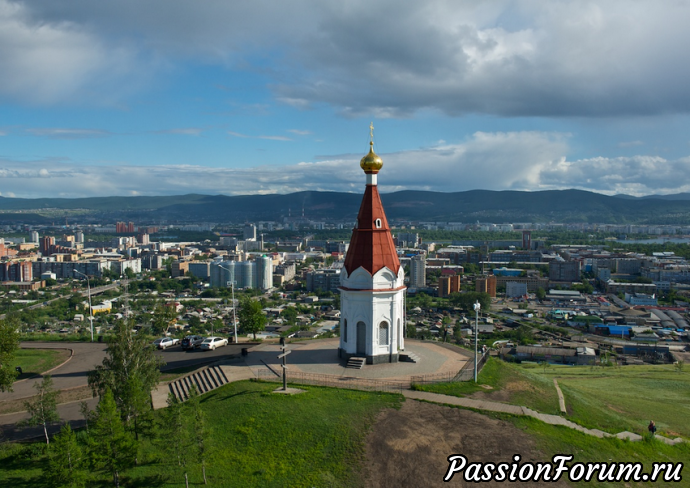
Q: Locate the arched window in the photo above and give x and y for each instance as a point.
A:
(384, 333)
(377, 223)
(345, 330)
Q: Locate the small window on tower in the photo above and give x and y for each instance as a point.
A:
(377, 223)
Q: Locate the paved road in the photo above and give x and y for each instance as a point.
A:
(74, 373)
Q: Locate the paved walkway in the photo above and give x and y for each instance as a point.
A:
(519, 410)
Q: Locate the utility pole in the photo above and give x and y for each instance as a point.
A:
(477, 307)
(88, 284)
(234, 306)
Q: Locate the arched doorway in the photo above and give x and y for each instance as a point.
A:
(361, 338)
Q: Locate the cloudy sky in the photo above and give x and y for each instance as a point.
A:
(172, 96)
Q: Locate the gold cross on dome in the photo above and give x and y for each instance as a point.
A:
(371, 131)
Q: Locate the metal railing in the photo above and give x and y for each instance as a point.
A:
(368, 384)
(466, 373)
(349, 382)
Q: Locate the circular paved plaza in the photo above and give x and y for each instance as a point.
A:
(321, 357)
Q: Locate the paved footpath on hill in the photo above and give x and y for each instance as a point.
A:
(519, 410)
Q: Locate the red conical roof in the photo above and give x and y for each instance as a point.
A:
(371, 246)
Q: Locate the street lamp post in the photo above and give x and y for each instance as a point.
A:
(477, 307)
(88, 284)
(234, 316)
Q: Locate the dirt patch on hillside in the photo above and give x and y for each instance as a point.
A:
(410, 446)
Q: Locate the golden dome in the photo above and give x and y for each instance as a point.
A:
(372, 162)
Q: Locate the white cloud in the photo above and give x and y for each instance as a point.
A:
(390, 58)
(274, 138)
(269, 138)
(48, 62)
(300, 132)
(66, 133)
(495, 161)
(188, 131)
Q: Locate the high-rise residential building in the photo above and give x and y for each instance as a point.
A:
(564, 270)
(79, 237)
(222, 274)
(264, 273)
(486, 284)
(448, 285)
(200, 269)
(372, 281)
(46, 245)
(418, 271)
(18, 271)
(249, 232)
(33, 236)
(515, 289)
(407, 239)
(245, 277)
(527, 239)
(323, 280)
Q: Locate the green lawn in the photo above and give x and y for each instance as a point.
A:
(561, 440)
(611, 399)
(626, 398)
(509, 383)
(259, 439)
(36, 361)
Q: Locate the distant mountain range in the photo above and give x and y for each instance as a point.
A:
(567, 206)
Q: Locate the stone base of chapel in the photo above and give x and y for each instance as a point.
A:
(378, 359)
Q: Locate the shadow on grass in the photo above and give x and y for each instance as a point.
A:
(147, 481)
(239, 393)
(16, 482)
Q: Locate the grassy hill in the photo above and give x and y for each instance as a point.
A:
(320, 439)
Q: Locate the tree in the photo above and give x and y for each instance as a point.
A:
(43, 408)
(466, 300)
(195, 324)
(174, 434)
(163, 316)
(289, 315)
(86, 413)
(130, 370)
(199, 431)
(541, 293)
(111, 447)
(457, 332)
(423, 299)
(251, 317)
(66, 461)
(9, 342)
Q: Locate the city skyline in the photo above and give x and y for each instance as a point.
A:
(169, 98)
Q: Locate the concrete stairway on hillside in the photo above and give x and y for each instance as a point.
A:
(355, 363)
(205, 380)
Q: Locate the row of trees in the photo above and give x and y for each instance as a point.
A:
(123, 419)
(109, 446)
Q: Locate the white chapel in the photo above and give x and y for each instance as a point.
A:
(372, 283)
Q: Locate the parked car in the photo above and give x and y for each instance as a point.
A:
(211, 343)
(165, 342)
(192, 342)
